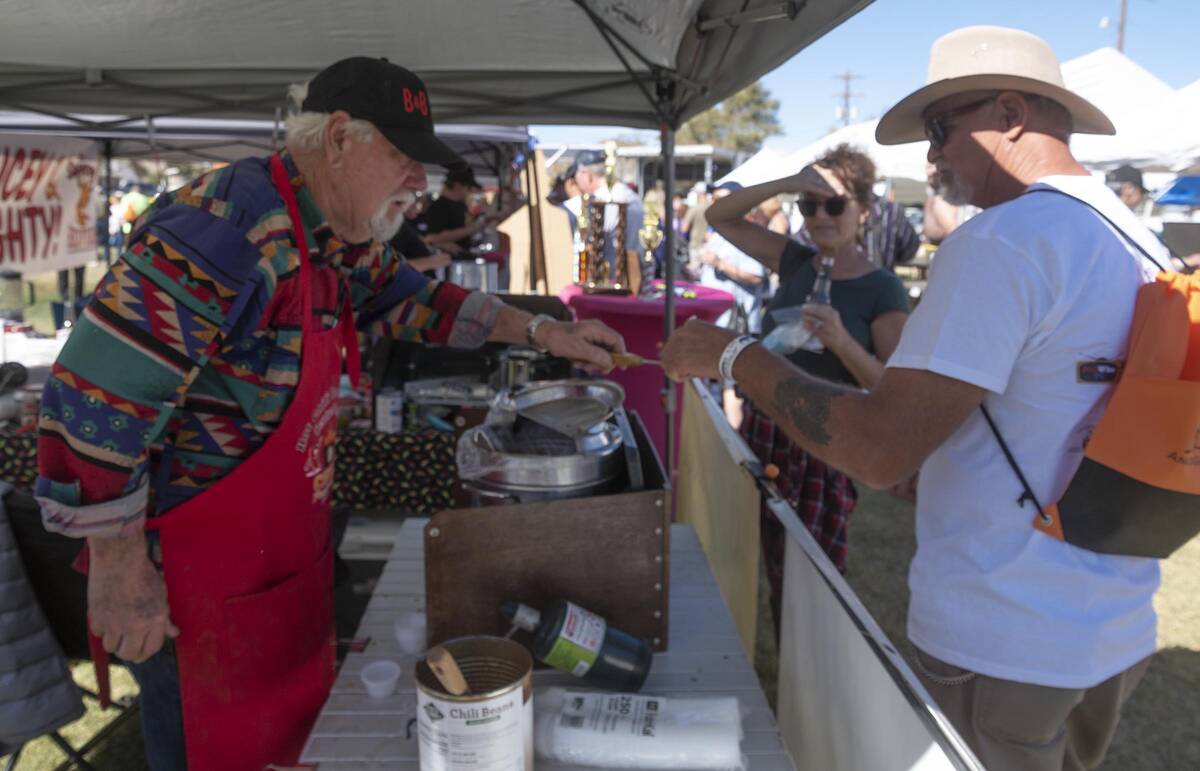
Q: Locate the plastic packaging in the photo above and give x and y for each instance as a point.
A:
(790, 334)
(620, 730)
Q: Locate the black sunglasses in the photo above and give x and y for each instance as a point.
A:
(834, 206)
(936, 130)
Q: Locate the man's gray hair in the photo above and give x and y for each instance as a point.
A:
(306, 130)
(1054, 114)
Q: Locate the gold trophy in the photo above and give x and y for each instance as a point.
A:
(651, 237)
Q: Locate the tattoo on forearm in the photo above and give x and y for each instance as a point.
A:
(806, 402)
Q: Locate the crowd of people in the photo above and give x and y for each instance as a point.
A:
(153, 444)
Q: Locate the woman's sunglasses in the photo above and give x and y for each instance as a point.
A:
(833, 206)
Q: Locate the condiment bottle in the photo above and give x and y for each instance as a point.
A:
(581, 643)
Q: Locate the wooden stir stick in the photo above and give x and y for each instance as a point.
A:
(446, 670)
(627, 360)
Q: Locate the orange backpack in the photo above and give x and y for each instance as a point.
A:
(1137, 491)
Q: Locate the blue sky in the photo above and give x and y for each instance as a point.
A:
(888, 45)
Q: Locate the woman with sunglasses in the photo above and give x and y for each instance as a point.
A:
(859, 331)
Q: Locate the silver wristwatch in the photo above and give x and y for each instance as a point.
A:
(532, 327)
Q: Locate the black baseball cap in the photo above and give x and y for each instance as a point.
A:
(463, 175)
(1125, 173)
(386, 95)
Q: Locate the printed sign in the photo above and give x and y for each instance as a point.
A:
(48, 203)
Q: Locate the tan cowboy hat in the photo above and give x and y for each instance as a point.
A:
(987, 59)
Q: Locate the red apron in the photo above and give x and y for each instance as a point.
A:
(248, 566)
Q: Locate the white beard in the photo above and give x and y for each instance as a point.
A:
(954, 191)
(383, 226)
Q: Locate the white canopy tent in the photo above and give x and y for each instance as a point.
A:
(1152, 123)
(1183, 117)
(758, 167)
(1166, 137)
(1126, 92)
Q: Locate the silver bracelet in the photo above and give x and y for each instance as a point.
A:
(532, 327)
(730, 354)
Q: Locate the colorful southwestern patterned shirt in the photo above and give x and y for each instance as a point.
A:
(188, 355)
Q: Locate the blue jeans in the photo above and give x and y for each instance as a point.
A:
(162, 710)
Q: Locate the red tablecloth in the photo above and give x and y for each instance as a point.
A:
(640, 322)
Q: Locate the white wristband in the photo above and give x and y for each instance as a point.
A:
(730, 354)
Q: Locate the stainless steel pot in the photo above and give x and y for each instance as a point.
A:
(531, 462)
(513, 458)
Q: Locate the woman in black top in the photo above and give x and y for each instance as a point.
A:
(859, 331)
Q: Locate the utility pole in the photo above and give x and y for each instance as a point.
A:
(846, 94)
(1121, 26)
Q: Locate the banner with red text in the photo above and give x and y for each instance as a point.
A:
(48, 202)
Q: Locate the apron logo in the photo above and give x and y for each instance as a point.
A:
(318, 443)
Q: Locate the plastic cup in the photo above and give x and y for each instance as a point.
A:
(409, 628)
(380, 678)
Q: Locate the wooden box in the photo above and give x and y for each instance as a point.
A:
(607, 553)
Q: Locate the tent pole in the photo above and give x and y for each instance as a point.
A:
(108, 187)
(533, 226)
(667, 146)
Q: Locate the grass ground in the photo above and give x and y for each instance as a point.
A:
(1160, 728)
(46, 290)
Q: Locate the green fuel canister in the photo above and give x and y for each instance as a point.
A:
(581, 643)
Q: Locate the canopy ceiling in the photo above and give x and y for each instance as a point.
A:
(184, 140)
(623, 62)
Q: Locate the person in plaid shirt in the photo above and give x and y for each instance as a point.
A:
(859, 332)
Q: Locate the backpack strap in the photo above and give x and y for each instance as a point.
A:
(1012, 463)
(1027, 493)
(1106, 218)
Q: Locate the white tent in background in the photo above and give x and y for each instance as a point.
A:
(1127, 93)
(891, 161)
(762, 165)
(1170, 133)
(1157, 128)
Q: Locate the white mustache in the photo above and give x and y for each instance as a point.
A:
(383, 225)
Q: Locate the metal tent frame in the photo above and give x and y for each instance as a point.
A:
(640, 63)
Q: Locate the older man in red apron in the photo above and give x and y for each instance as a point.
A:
(187, 429)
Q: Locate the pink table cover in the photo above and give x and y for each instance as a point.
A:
(640, 322)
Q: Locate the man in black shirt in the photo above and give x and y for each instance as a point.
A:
(446, 219)
(410, 243)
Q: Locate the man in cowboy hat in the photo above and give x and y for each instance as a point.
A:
(1030, 645)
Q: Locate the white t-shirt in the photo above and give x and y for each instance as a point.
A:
(1017, 297)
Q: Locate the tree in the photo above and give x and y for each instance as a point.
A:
(742, 122)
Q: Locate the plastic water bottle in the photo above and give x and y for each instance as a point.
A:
(820, 295)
